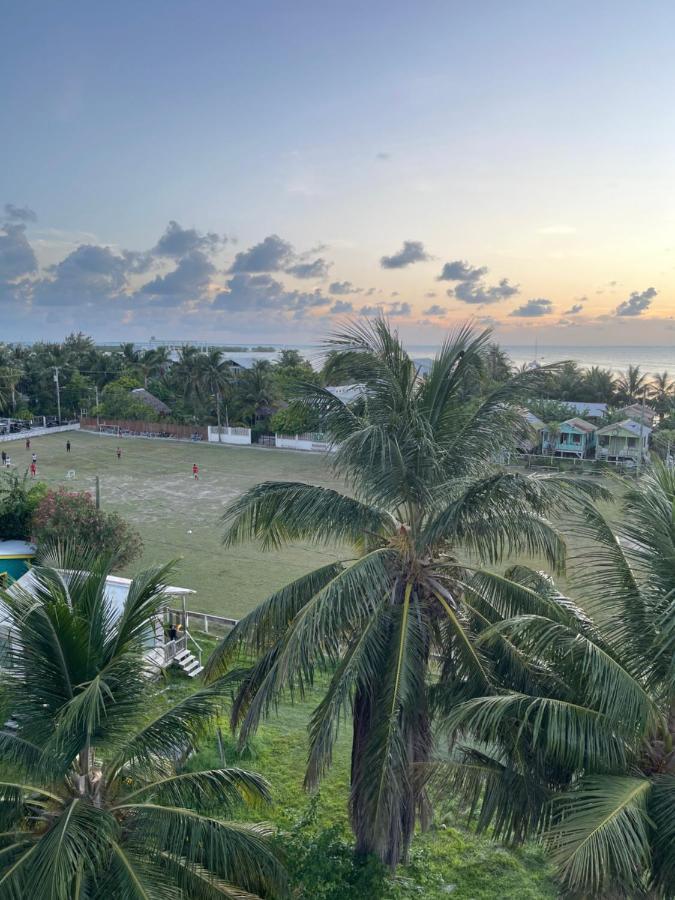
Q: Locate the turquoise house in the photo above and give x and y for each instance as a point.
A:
(573, 438)
(15, 559)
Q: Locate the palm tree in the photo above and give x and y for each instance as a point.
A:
(151, 363)
(257, 386)
(632, 384)
(584, 754)
(599, 385)
(661, 392)
(189, 373)
(216, 380)
(94, 802)
(387, 624)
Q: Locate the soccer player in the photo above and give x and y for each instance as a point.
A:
(119, 453)
(27, 443)
(67, 446)
(195, 471)
(33, 470)
(34, 459)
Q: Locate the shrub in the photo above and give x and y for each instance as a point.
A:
(67, 517)
(19, 500)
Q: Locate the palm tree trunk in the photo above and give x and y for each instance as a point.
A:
(220, 437)
(392, 844)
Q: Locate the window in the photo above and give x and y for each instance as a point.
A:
(632, 442)
(576, 438)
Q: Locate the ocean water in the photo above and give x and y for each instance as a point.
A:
(616, 358)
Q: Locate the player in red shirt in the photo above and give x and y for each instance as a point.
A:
(195, 471)
(33, 470)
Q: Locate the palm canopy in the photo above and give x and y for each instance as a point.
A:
(426, 505)
(585, 754)
(93, 800)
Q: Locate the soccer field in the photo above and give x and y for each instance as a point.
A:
(153, 488)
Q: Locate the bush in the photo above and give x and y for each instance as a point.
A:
(296, 418)
(19, 500)
(321, 864)
(73, 518)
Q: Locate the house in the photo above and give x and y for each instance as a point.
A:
(239, 365)
(621, 441)
(346, 392)
(149, 400)
(592, 412)
(639, 413)
(532, 443)
(161, 650)
(573, 437)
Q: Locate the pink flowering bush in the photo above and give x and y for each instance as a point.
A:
(69, 517)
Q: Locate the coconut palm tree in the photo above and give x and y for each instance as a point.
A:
(94, 802)
(584, 756)
(662, 393)
(424, 505)
(599, 385)
(632, 384)
(216, 380)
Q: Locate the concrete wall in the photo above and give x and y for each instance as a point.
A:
(229, 435)
(301, 442)
(37, 432)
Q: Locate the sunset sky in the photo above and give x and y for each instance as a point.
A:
(260, 170)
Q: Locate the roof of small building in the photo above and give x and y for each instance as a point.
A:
(116, 590)
(638, 411)
(579, 424)
(532, 420)
(150, 400)
(592, 410)
(14, 549)
(629, 425)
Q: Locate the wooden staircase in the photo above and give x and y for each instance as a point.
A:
(189, 663)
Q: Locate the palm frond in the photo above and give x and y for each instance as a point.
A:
(278, 512)
(601, 837)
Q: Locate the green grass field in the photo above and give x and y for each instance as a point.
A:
(153, 488)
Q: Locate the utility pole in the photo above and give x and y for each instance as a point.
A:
(58, 392)
(98, 421)
(642, 428)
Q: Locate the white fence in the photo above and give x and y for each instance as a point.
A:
(312, 441)
(37, 432)
(229, 435)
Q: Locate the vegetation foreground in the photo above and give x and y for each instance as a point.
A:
(435, 678)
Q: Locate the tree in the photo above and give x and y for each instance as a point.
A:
(583, 752)
(599, 386)
(632, 385)
(66, 516)
(296, 418)
(422, 490)
(662, 393)
(93, 798)
(19, 499)
(216, 380)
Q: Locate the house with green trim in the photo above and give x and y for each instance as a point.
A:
(572, 438)
(623, 441)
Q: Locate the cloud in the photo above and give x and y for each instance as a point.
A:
(188, 281)
(343, 287)
(431, 294)
(318, 268)
(460, 270)
(382, 155)
(19, 213)
(435, 310)
(399, 309)
(17, 258)
(533, 309)
(271, 255)
(341, 307)
(246, 293)
(411, 252)
(90, 275)
(574, 310)
(177, 241)
(637, 303)
(478, 293)
(389, 309)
